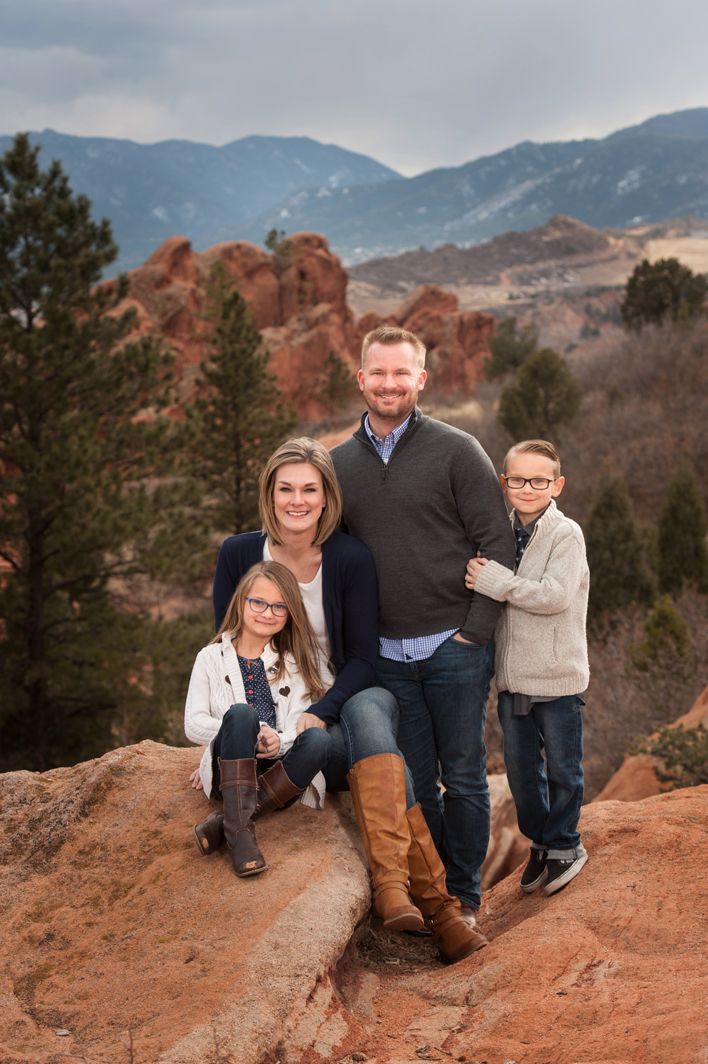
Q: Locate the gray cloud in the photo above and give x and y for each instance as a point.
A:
(414, 85)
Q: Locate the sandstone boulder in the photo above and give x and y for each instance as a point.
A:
(121, 943)
(637, 775)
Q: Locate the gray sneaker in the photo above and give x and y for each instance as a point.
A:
(560, 872)
(535, 872)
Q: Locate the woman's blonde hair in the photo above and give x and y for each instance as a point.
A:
(295, 638)
(302, 449)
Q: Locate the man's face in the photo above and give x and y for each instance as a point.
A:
(390, 381)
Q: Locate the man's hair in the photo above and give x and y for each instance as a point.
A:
(388, 335)
(301, 449)
(542, 447)
(295, 638)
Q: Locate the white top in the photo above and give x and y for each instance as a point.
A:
(312, 601)
(216, 684)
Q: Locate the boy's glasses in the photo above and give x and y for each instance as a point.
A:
(537, 483)
(278, 609)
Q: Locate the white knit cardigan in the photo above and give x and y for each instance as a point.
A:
(541, 646)
(216, 684)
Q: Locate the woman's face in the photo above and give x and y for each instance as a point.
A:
(298, 497)
(258, 616)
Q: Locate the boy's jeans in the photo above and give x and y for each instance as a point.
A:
(547, 796)
(441, 735)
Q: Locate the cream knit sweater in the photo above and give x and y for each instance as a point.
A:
(541, 647)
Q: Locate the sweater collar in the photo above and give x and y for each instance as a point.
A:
(550, 516)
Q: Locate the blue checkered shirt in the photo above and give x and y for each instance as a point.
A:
(423, 646)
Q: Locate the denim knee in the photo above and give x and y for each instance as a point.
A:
(369, 720)
(315, 741)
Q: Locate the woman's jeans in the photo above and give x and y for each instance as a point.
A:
(237, 738)
(367, 726)
(442, 701)
(548, 792)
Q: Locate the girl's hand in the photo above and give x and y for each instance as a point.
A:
(474, 568)
(268, 742)
(195, 780)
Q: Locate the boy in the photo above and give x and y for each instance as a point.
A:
(541, 663)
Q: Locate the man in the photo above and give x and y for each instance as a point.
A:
(424, 498)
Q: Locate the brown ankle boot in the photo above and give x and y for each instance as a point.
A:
(275, 789)
(452, 934)
(210, 833)
(239, 789)
(378, 790)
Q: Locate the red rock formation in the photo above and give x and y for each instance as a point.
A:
(297, 298)
(636, 777)
(457, 341)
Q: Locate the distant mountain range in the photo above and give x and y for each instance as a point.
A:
(153, 191)
(645, 173)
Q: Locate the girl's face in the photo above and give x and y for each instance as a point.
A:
(298, 497)
(264, 611)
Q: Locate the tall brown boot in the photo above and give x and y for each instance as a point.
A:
(240, 789)
(275, 791)
(378, 790)
(452, 934)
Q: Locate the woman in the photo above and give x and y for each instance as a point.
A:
(300, 507)
(249, 687)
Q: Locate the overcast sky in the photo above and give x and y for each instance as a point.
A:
(414, 84)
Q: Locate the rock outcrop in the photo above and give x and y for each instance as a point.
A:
(297, 298)
(637, 775)
(122, 944)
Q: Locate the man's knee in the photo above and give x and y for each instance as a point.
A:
(373, 702)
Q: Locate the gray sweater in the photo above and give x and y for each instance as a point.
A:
(422, 516)
(541, 647)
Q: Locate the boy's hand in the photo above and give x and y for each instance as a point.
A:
(268, 742)
(474, 568)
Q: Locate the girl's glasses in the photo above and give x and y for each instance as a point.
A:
(278, 609)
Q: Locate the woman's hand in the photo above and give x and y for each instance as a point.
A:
(195, 780)
(309, 720)
(474, 568)
(268, 742)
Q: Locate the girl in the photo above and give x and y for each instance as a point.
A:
(248, 688)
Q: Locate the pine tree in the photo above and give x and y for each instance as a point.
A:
(509, 348)
(664, 290)
(237, 418)
(682, 554)
(544, 396)
(618, 571)
(76, 471)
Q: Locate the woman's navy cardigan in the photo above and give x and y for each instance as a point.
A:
(349, 598)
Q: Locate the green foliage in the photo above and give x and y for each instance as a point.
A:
(510, 347)
(662, 291)
(682, 555)
(237, 418)
(684, 753)
(337, 381)
(78, 513)
(544, 396)
(618, 571)
(274, 237)
(665, 643)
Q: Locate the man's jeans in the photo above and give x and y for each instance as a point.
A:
(547, 796)
(443, 707)
(367, 726)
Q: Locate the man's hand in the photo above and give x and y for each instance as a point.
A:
(309, 720)
(195, 780)
(474, 568)
(268, 742)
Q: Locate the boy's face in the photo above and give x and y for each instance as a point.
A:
(529, 501)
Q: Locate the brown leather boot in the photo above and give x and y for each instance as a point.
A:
(452, 934)
(275, 791)
(240, 789)
(378, 790)
(210, 833)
